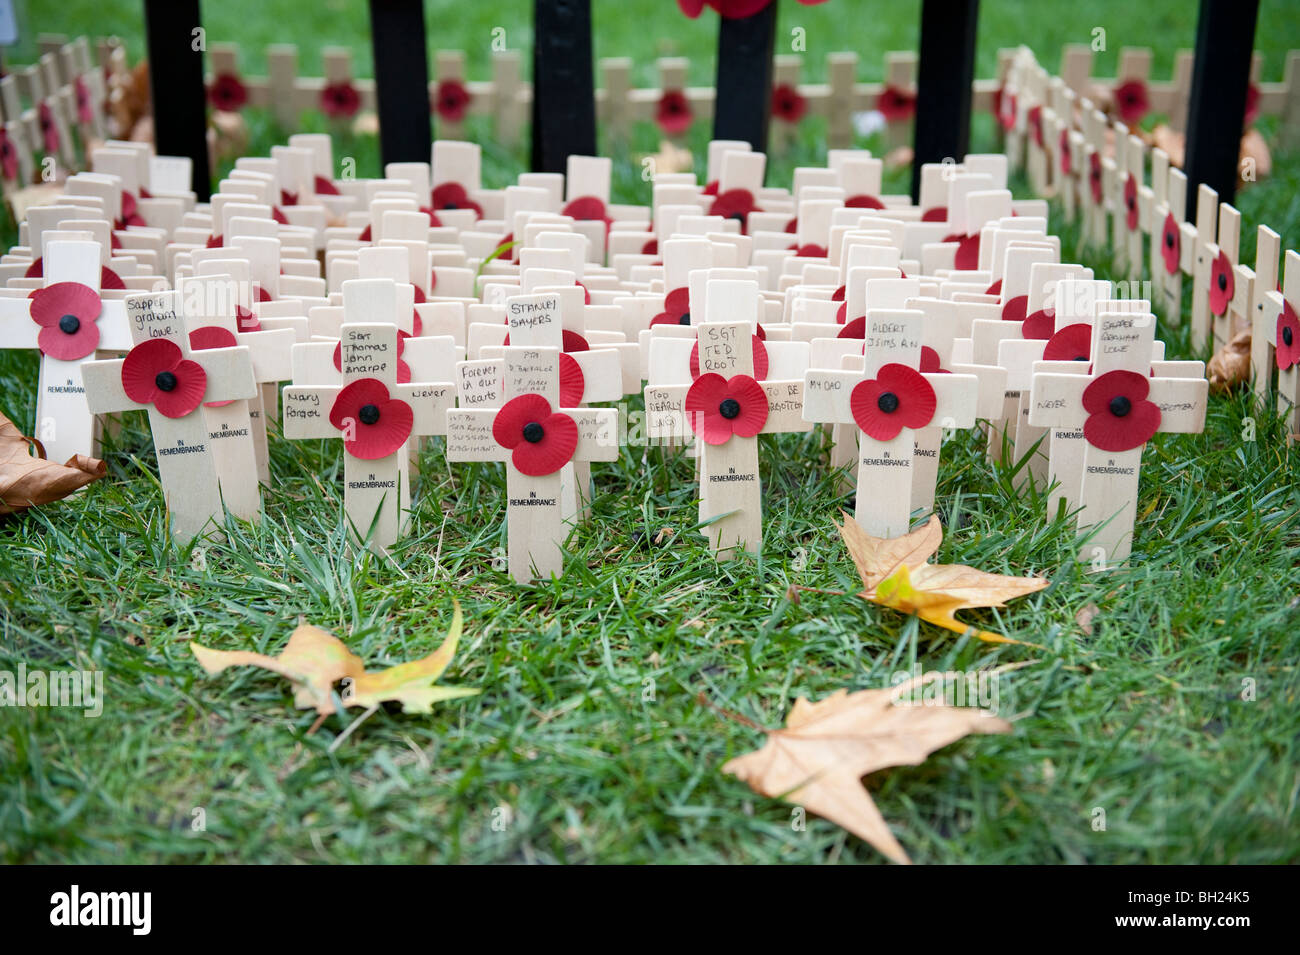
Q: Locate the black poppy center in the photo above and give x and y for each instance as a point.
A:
(1130, 202)
(1169, 239)
(1287, 336)
(1223, 282)
(1080, 358)
(685, 319)
(738, 216)
(887, 402)
(165, 381)
(450, 205)
(730, 408)
(533, 432)
(69, 324)
(1120, 406)
(368, 414)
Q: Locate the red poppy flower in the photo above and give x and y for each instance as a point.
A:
(541, 441)
(809, 250)
(936, 214)
(8, 157)
(1119, 416)
(155, 372)
(85, 109)
(1252, 103)
(452, 195)
(66, 312)
(212, 336)
(49, 129)
(340, 100)
(1287, 342)
(1221, 284)
(278, 216)
(1131, 202)
(323, 187)
(1035, 118)
(108, 279)
(852, 329)
(451, 100)
(895, 104)
(589, 209)
(735, 204)
(1094, 177)
(994, 289)
(1171, 241)
(930, 364)
(673, 112)
(731, 9)
(245, 320)
(710, 189)
(215, 242)
(897, 398)
(403, 369)
(130, 212)
(719, 407)
(1071, 343)
(1131, 101)
(1015, 309)
(677, 309)
(1039, 325)
(968, 251)
(863, 202)
(373, 423)
(1005, 106)
(788, 104)
(839, 293)
(1063, 147)
(760, 358)
(651, 247)
(227, 93)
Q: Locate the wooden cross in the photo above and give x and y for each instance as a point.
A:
(1215, 295)
(376, 415)
(535, 438)
(1172, 239)
(209, 305)
(889, 401)
(1285, 335)
(86, 324)
(163, 376)
(1263, 279)
(1117, 408)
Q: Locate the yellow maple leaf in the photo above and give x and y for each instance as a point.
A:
(314, 660)
(895, 574)
(818, 760)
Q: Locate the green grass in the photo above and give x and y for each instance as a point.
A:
(590, 733)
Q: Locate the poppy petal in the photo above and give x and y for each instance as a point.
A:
(572, 383)
(1071, 343)
(144, 363)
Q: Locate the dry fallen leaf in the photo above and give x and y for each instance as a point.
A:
(1084, 618)
(896, 575)
(27, 481)
(314, 660)
(819, 759)
(1230, 365)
